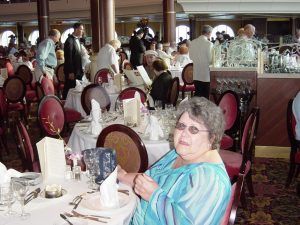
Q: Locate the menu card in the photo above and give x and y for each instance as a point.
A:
(132, 114)
(52, 158)
(131, 74)
(3, 73)
(144, 75)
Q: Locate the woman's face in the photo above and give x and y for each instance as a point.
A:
(191, 139)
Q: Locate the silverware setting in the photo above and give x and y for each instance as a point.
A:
(75, 214)
(126, 192)
(32, 195)
(66, 219)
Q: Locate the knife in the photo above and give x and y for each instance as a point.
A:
(66, 219)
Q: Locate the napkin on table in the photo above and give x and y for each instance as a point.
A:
(95, 127)
(109, 191)
(6, 174)
(153, 129)
(85, 81)
(79, 86)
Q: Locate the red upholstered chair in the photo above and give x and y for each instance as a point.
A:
(229, 104)
(101, 76)
(173, 92)
(97, 92)
(26, 149)
(232, 206)
(131, 151)
(61, 79)
(25, 74)
(14, 91)
(129, 93)
(47, 86)
(295, 151)
(51, 115)
(188, 81)
(241, 162)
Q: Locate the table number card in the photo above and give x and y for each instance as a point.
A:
(52, 158)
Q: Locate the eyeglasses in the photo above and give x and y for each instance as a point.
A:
(191, 129)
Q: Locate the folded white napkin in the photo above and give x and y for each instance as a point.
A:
(5, 175)
(151, 101)
(153, 129)
(138, 97)
(95, 127)
(109, 191)
(79, 86)
(184, 100)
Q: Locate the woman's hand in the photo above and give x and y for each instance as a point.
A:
(144, 186)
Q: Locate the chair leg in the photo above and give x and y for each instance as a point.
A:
(4, 144)
(290, 175)
(249, 183)
(182, 94)
(243, 198)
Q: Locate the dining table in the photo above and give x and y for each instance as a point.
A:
(46, 211)
(81, 139)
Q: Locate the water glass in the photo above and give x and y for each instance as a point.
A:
(77, 173)
(68, 173)
(20, 188)
(7, 198)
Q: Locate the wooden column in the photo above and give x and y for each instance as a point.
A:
(169, 17)
(95, 25)
(192, 23)
(20, 33)
(107, 21)
(43, 18)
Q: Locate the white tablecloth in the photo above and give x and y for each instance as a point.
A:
(73, 101)
(177, 73)
(81, 140)
(46, 211)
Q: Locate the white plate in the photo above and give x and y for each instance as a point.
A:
(92, 202)
(74, 221)
(32, 177)
(147, 138)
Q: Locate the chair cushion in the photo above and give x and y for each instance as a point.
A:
(72, 115)
(232, 161)
(187, 88)
(226, 142)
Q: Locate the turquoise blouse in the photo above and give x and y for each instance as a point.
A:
(192, 194)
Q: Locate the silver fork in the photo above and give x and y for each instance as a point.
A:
(85, 217)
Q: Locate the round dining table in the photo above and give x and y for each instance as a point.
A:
(45, 211)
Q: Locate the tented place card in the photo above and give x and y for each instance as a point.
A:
(144, 75)
(52, 158)
(132, 113)
(3, 73)
(118, 82)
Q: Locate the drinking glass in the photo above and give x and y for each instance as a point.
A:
(87, 158)
(7, 198)
(20, 188)
(158, 105)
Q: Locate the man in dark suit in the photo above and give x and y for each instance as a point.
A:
(73, 65)
(137, 48)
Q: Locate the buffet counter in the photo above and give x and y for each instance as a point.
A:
(272, 93)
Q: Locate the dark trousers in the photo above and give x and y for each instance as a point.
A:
(202, 88)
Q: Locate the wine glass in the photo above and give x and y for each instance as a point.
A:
(87, 158)
(20, 188)
(7, 198)
(158, 105)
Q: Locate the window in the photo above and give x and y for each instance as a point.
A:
(65, 34)
(4, 37)
(33, 36)
(183, 32)
(221, 28)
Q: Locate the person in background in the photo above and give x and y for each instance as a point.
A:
(249, 31)
(201, 54)
(163, 55)
(73, 62)
(108, 57)
(151, 56)
(46, 60)
(189, 185)
(162, 82)
(296, 38)
(137, 48)
(60, 57)
(183, 58)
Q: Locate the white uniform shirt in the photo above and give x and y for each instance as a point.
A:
(107, 56)
(296, 112)
(200, 52)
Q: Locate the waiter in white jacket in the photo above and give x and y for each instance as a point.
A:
(201, 54)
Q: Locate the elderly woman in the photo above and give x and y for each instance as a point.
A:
(161, 82)
(189, 185)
